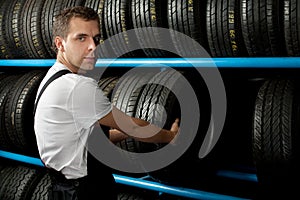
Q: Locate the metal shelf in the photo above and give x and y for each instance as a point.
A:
(252, 62)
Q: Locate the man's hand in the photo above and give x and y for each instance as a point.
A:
(116, 136)
(175, 128)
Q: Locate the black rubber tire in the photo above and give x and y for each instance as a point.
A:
(107, 85)
(49, 10)
(4, 177)
(188, 17)
(224, 29)
(97, 5)
(2, 22)
(155, 93)
(41, 190)
(125, 97)
(4, 141)
(31, 26)
(6, 83)
(71, 3)
(14, 29)
(151, 13)
(276, 137)
(18, 37)
(118, 20)
(18, 182)
(292, 27)
(262, 23)
(19, 118)
(5, 41)
(151, 96)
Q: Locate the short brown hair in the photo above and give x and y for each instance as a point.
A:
(62, 21)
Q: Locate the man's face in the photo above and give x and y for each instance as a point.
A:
(79, 46)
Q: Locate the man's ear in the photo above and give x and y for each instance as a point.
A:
(59, 43)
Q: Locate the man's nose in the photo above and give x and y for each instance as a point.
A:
(92, 44)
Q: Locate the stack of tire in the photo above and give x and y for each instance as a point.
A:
(18, 92)
(227, 28)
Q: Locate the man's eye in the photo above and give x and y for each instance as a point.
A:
(81, 39)
(96, 40)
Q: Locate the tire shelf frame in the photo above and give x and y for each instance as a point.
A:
(144, 183)
(237, 62)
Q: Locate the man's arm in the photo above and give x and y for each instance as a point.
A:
(139, 129)
(116, 136)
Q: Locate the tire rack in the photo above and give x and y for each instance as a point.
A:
(261, 62)
(151, 185)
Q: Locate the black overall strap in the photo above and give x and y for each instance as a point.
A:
(52, 78)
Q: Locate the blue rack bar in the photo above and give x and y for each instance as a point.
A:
(150, 185)
(21, 158)
(238, 175)
(178, 191)
(252, 62)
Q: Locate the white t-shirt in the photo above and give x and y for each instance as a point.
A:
(65, 116)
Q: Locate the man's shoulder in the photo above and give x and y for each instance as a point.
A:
(71, 78)
(79, 78)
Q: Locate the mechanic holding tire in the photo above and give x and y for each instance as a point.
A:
(63, 122)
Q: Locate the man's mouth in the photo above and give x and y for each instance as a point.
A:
(90, 58)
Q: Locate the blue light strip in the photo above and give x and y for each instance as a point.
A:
(177, 191)
(246, 62)
(150, 185)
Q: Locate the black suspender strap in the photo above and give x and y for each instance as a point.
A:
(52, 78)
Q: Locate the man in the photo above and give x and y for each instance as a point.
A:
(63, 121)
